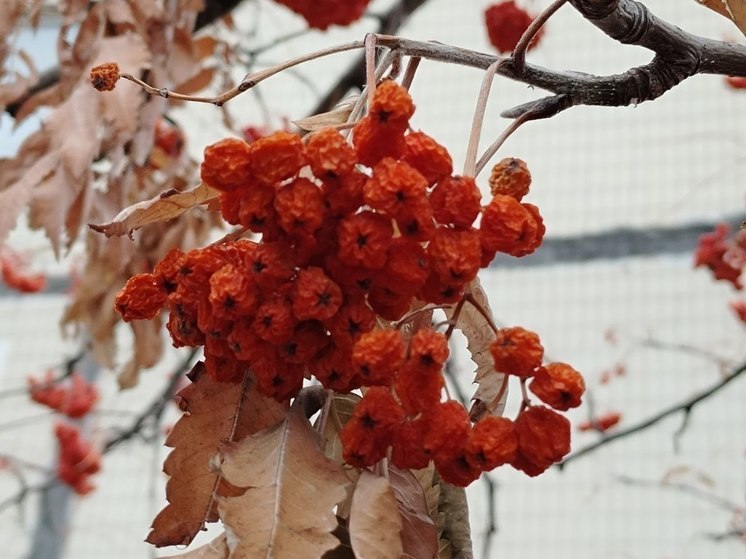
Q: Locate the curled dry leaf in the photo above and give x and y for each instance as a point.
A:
(168, 205)
(287, 510)
(216, 549)
(375, 522)
(419, 532)
(479, 336)
(213, 412)
(734, 10)
(337, 116)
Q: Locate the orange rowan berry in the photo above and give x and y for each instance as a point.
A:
(492, 442)
(418, 387)
(329, 154)
(456, 469)
(388, 304)
(223, 368)
(78, 460)
(428, 349)
(344, 195)
(368, 434)
(270, 265)
(373, 141)
(320, 14)
(104, 77)
(533, 232)
(231, 293)
(300, 206)
(392, 105)
(245, 343)
(278, 379)
(315, 295)
(182, 325)
(415, 221)
(543, 439)
(353, 319)
(407, 266)
(456, 201)
(439, 292)
(377, 356)
(394, 187)
(308, 339)
(364, 239)
(256, 209)
(506, 23)
(277, 157)
(226, 164)
(427, 156)
(558, 385)
(333, 369)
(448, 430)
(510, 177)
(517, 351)
(166, 271)
(354, 280)
(274, 320)
(141, 298)
(455, 254)
(504, 225)
(407, 451)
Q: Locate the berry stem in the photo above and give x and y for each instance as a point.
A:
(478, 119)
(519, 52)
(524, 392)
(370, 66)
(412, 65)
(497, 144)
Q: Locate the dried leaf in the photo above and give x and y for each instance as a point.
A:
(340, 412)
(338, 115)
(198, 82)
(375, 522)
(734, 10)
(17, 196)
(479, 336)
(456, 527)
(214, 412)
(148, 351)
(168, 205)
(216, 549)
(52, 198)
(419, 532)
(287, 510)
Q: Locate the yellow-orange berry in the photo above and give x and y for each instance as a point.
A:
(510, 177)
(104, 77)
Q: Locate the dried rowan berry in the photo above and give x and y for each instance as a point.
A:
(558, 385)
(394, 187)
(415, 222)
(427, 156)
(308, 339)
(354, 280)
(418, 387)
(280, 380)
(320, 14)
(533, 232)
(439, 292)
(14, 276)
(74, 398)
(182, 325)
(141, 298)
(492, 442)
(448, 430)
(104, 77)
(226, 164)
(256, 207)
(270, 265)
(391, 105)
(353, 319)
(245, 343)
(456, 201)
(329, 154)
(300, 206)
(456, 469)
(166, 271)
(510, 177)
(369, 432)
(364, 240)
(274, 321)
(333, 369)
(277, 157)
(407, 266)
(455, 254)
(377, 356)
(78, 460)
(517, 351)
(543, 439)
(388, 304)
(344, 195)
(407, 451)
(505, 225)
(231, 292)
(506, 23)
(428, 349)
(373, 141)
(221, 368)
(601, 423)
(314, 295)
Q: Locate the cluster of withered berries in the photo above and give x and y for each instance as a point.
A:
(352, 237)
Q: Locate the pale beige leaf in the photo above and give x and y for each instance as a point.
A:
(168, 205)
(375, 522)
(338, 115)
(52, 199)
(119, 12)
(419, 532)
(734, 10)
(148, 351)
(340, 412)
(216, 549)
(17, 196)
(214, 412)
(479, 336)
(287, 511)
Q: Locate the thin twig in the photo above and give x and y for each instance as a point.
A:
(519, 52)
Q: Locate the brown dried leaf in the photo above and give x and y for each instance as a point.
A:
(419, 532)
(216, 549)
(168, 205)
(340, 412)
(52, 198)
(734, 10)
(479, 336)
(17, 196)
(287, 510)
(214, 412)
(338, 115)
(148, 351)
(375, 522)
(198, 82)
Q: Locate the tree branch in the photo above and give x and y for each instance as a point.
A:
(684, 407)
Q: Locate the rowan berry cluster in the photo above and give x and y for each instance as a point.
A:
(724, 255)
(352, 235)
(78, 460)
(75, 397)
